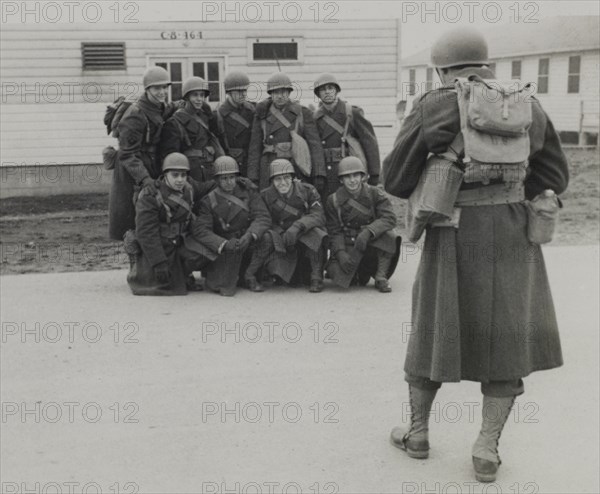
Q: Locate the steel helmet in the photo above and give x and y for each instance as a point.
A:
(281, 166)
(195, 84)
(156, 76)
(351, 164)
(463, 46)
(326, 79)
(236, 81)
(279, 80)
(176, 161)
(224, 165)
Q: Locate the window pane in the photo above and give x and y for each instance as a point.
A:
(198, 69)
(163, 65)
(574, 64)
(215, 91)
(492, 66)
(272, 51)
(543, 66)
(542, 84)
(429, 80)
(213, 71)
(411, 86)
(175, 71)
(516, 69)
(573, 86)
(175, 91)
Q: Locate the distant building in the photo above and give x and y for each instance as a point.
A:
(561, 55)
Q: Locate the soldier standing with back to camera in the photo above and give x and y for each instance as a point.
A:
(474, 317)
(191, 130)
(275, 117)
(234, 119)
(336, 119)
(138, 164)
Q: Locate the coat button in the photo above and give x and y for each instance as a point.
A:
(323, 142)
(329, 167)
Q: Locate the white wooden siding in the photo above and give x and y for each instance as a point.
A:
(68, 129)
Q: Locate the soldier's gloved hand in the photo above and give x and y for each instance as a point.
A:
(290, 236)
(320, 183)
(148, 183)
(162, 273)
(346, 262)
(249, 184)
(362, 239)
(231, 245)
(244, 241)
(373, 180)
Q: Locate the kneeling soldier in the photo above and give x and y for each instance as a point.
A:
(360, 222)
(298, 228)
(231, 217)
(161, 261)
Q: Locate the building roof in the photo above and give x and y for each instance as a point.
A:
(550, 35)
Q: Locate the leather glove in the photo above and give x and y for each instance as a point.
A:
(362, 239)
(162, 273)
(290, 236)
(244, 242)
(320, 183)
(148, 183)
(231, 245)
(373, 180)
(345, 261)
(249, 184)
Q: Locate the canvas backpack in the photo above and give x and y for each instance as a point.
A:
(495, 117)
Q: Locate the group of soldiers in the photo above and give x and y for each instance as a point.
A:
(228, 192)
(258, 207)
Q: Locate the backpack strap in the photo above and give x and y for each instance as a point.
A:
(336, 205)
(221, 126)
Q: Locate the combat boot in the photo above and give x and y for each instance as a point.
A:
(486, 460)
(316, 271)
(416, 441)
(383, 264)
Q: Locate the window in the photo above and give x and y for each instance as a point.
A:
(516, 69)
(271, 51)
(412, 87)
(182, 67)
(103, 56)
(543, 72)
(574, 73)
(429, 79)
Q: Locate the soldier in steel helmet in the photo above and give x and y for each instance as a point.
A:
(191, 130)
(275, 118)
(162, 261)
(360, 222)
(298, 230)
(336, 120)
(234, 119)
(498, 310)
(138, 163)
(232, 218)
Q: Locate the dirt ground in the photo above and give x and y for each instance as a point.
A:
(69, 232)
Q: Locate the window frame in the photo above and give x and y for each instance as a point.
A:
(545, 76)
(250, 42)
(573, 75)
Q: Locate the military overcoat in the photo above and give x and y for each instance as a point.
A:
(482, 308)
